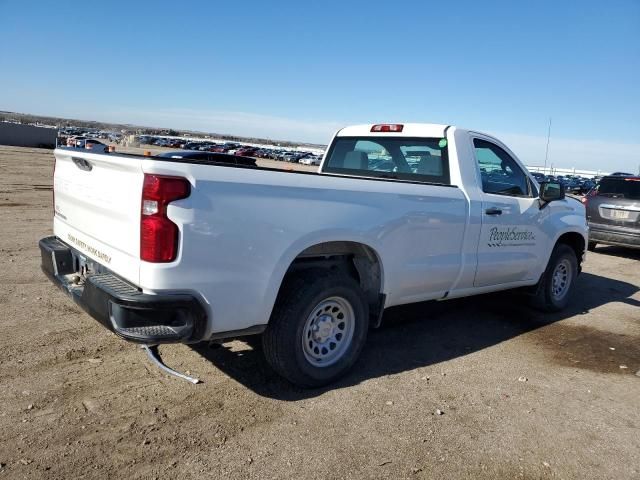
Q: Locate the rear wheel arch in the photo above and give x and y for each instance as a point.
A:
(362, 262)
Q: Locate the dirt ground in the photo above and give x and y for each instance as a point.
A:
(522, 394)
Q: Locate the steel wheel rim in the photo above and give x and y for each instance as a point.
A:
(328, 331)
(561, 279)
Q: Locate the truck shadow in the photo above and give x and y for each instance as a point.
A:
(423, 334)
(622, 252)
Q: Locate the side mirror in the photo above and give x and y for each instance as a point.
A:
(550, 191)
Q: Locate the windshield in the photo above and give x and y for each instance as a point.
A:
(620, 188)
(399, 158)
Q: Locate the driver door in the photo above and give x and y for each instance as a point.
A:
(511, 242)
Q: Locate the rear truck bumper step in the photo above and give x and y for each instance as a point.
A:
(120, 306)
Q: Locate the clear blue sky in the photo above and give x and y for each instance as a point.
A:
(300, 69)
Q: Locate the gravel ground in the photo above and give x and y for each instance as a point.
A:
(478, 388)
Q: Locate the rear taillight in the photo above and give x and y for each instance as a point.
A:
(591, 193)
(158, 234)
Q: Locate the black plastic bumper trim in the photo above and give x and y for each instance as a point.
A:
(613, 237)
(120, 306)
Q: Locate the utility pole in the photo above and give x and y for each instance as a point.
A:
(546, 153)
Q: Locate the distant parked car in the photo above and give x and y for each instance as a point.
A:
(95, 146)
(613, 211)
(573, 185)
(77, 141)
(587, 186)
(382, 165)
(246, 151)
(217, 149)
(540, 177)
(311, 160)
(621, 174)
(210, 157)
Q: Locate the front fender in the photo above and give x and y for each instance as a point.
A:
(567, 216)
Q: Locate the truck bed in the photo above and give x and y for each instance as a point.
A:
(242, 226)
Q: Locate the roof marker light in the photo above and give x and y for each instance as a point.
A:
(387, 127)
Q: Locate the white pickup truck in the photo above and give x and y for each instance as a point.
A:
(165, 250)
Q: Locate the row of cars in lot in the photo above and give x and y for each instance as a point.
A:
(88, 143)
(572, 183)
(191, 149)
(233, 148)
(93, 133)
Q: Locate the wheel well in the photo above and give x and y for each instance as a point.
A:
(357, 259)
(576, 242)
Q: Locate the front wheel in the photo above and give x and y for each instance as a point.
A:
(318, 328)
(556, 283)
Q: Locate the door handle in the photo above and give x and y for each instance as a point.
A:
(493, 211)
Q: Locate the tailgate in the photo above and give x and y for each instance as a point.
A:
(97, 208)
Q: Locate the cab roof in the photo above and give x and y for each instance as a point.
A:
(429, 130)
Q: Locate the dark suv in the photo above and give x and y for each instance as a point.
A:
(613, 211)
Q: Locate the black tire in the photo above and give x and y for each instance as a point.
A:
(299, 297)
(591, 246)
(546, 298)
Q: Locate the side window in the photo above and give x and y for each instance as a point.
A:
(500, 173)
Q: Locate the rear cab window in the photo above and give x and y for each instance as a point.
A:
(422, 160)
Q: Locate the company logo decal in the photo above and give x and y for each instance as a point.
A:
(510, 237)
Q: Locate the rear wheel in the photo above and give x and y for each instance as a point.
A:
(591, 246)
(557, 281)
(318, 327)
